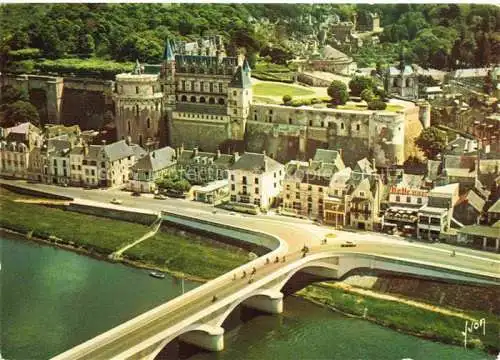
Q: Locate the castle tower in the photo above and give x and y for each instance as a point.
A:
(167, 80)
(239, 100)
(138, 107)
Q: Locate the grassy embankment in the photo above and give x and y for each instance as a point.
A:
(426, 323)
(100, 236)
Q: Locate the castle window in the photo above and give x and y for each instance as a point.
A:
(270, 119)
(235, 111)
(183, 85)
(157, 106)
(140, 140)
(220, 89)
(290, 121)
(162, 88)
(211, 100)
(342, 126)
(221, 101)
(408, 82)
(192, 85)
(202, 99)
(202, 87)
(322, 124)
(357, 127)
(148, 123)
(137, 89)
(184, 98)
(310, 123)
(255, 117)
(211, 87)
(193, 99)
(128, 126)
(137, 110)
(395, 82)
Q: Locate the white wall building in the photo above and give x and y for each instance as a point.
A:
(256, 179)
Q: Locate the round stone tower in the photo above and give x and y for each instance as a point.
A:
(138, 107)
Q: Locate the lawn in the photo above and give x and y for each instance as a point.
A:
(401, 316)
(201, 258)
(358, 106)
(196, 257)
(277, 89)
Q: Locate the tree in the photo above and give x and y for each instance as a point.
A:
(12, 94)
(338, 92)
(286, 99)
(377, 105)
(360, 83)
(367, 95)
(18, 112)
(182, 185)
(431, 141)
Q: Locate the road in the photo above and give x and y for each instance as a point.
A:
(296, 233)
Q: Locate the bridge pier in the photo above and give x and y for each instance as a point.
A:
(207, 338)
(270, 302)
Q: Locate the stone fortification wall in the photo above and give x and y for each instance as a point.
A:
(207, 136)
(67, 100)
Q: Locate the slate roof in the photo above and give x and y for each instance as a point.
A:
(331, 53)
(240, 79)
(223, 161)
(58, 147)
(327, 156)
(314, 173)
(138, 151)
(394, 71)
(495, 208)
(460, 146)
(474, 200)
(156, 160)
(480, 230)
(168, 53)
(117, 150)
(256, 163)
(364, 166)
(77, 150)
(411, 181)
(204, 109)
(94, 151)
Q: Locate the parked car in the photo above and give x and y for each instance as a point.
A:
(136, 193)
(116, 201)
(348, 243)
(160, 197)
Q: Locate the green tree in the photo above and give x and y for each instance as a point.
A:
(338, 92)
(377, 105)
(19, 112)
(431, 141)
(12, 94)
(367, 95)
(182, 185)
(286, 99)
(360, 83)
(86, 45)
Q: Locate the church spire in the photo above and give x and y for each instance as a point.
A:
(168, 54)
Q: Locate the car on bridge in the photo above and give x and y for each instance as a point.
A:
(348, 243)
(160, 197)
(116, 201)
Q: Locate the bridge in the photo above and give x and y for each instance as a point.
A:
(197, 317)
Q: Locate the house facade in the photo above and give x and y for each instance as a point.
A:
(256, 179)
(155, 165)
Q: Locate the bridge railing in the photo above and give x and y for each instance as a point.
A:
(191, 295)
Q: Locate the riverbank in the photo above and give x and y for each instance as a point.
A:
(167, 251)
(199, 258)
(410, 317)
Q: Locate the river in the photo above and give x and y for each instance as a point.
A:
(52, 299)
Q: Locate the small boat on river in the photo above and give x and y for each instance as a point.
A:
(157, 275)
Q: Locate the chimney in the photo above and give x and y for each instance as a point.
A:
(218, 154)
(310, 162)
(103, 142)
(374, 164)
(236, 156)
(85, 150)
(153, 155)
(341, 152)
(195, 151)
(264, 152)
(128, 140)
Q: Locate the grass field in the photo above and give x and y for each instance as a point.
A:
(180, 254)
(277, 89)
(405, 317)
(170, 252)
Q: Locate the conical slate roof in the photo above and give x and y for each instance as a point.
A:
(241, 79)
(168, 54)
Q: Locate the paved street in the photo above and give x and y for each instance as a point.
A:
(296, 233)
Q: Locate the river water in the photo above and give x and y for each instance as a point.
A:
(52, 299)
